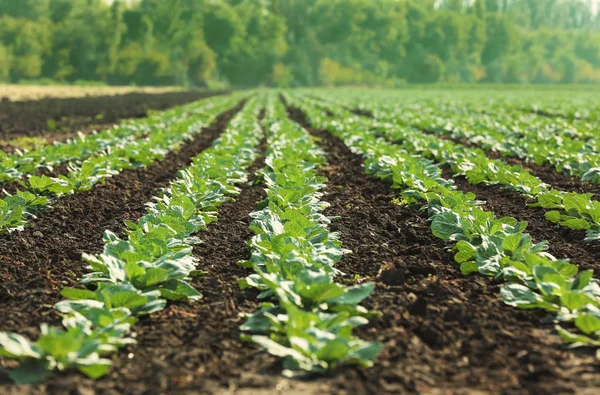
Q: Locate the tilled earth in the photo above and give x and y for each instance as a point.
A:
(58, 119)
(442, 332)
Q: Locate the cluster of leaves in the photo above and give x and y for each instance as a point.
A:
(138, 275)
(165, 135)
(293, 258)
(497, 247)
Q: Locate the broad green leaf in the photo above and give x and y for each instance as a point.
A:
(16, 346)
(518, 295)
(588, 324)
(128, 300)
(468, 268)
(30, 372)
(576, 224)
(97, 370)
(576, 339)
(355, 294)
(78, 294)
(553, 216)
(153, 276)
(583, 279)
(446, 224)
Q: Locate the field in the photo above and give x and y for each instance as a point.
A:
(301, 241)
(36, 92)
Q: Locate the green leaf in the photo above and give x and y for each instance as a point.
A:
(575, 301)
(78, 294)
(588, 324)
(466, 252)
(59, 343)
(335, 350)
(97, 370)
(179, 290)
(275, 348)
(576, 203)
(576, 339)
(355, 294)
(576, 224)
(153, 276)
(518, 295)
(511, 242)
(446, 224)
(127, 299)
(553, 216)
(468, 268)
(321, 292)
(16, 346)
(550, 200)
(583, 279)
(368, 351)
(30, 372)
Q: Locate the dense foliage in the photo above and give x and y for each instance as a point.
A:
(299, 42)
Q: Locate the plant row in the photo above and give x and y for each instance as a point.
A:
(497, 247)
(306, 317)
(17, 166)
(538, 142)
(509, 112)
(17, 209)
(573, 210)
(137, 275)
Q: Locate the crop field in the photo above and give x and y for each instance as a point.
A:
(351, 241)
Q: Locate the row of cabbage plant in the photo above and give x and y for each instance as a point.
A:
(535, 139)
(497, 247)
(75, 150)
(17, 209)
(138, 274)
(573, 210)
(306, 317)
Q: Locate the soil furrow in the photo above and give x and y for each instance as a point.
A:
(563, 242)
(549, 175)
(38, 262)
(439, 329)
(52, 116)
(188, 346)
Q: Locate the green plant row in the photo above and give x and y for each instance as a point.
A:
(17, 209)
(537, 142)
(17, 166)
(307, 318)
(568, 155)
(496, 112)
(137, 275)
(573, 210)
(497, 247)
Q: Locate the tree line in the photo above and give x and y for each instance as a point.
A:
(244, 43)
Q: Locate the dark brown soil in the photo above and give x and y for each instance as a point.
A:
(441, 331)
(45, 257)
(64, 116)
(549, 175)
(563, 242)
(188, 345)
